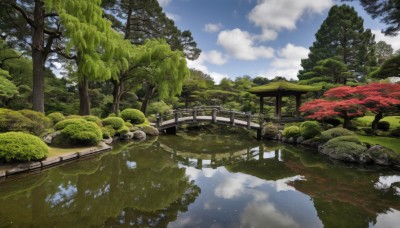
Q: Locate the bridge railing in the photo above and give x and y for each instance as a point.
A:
(213, 111)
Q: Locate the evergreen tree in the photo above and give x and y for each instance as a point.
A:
(141, 20)
(342, 36)
(387, 10)
(383, 51)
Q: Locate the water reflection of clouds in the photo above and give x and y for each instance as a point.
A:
(258, 214)
(385, 182)
(64, 194)
(389, 220)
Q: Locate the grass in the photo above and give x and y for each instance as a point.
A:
(367, 121)
(391, 143)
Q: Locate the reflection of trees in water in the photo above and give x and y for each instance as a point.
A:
(92, 192)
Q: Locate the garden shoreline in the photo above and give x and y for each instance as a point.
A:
(17, 168)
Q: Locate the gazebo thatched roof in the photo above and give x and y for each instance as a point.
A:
(283, 88)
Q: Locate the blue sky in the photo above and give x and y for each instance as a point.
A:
(256, 37)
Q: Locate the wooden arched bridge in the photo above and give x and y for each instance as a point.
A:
(208, 114)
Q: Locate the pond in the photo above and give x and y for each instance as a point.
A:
(203, 179)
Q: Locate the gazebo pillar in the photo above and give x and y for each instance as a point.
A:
(261, 105)
(298, 103)
(278, 106)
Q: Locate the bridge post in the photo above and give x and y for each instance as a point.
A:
(259, 134)
(176, 115)
(232, 118)
(158, 123)
(214, 115)
(194, 115)
(248, 121)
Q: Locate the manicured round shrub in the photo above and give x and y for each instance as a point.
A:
(292, 131)
(383, 125)
(115, 122)
(135, 116)
(108, 130)
(74, 117)
(129, 125)
(40, 123)
(269, 131)
(123, 130)
(345, 144)
(64, 123)
(86, 133)
(334, 132)
(56, 117)
(310, 129)
(93, 119)
(11, 120)
(18, 146)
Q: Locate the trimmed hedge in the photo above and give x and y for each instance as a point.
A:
(63, 124)
(27, 121)
(334, 132)
(56, 117)
(123, 130)
(93, 119)
(115, 122)
(86, 133)
(18, 146)
(292, 131)
(135, 116)
(108, 130)
(310, 129)
(395, 132)
(345, 144)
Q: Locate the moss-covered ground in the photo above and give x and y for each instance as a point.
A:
(388, 142)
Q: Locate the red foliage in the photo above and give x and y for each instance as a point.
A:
(349, 102)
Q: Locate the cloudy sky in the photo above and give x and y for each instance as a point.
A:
(255, 37)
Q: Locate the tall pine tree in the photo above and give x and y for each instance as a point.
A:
(342, 36)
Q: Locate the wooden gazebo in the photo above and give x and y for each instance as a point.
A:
(279, 89)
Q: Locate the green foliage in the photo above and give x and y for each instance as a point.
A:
(310, 129)
(279, 85)
(115, 122)
(335, 132)
(64, 123)
(122, 130)
(74, 117)
(390, 68)
(269, 131)
(86, 133)
(346, 144)
(56, 117)
(135, 116)
(292, 131)
(383, 125)
(18, 146)
(129, 125)
(159, 107)
(7, 88)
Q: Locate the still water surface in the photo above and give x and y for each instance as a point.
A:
(203, 180)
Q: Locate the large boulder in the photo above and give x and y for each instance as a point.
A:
(269, 131)
(49, 138)
(383, 156)
(150, 130)
(139, 135)
(127, 136)
(345, 148)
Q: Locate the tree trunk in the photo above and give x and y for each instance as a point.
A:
(187, 102)
(116, 96)
(84, 99)
(346, 123)
(375, 122)
(149, 93)
(38, 58)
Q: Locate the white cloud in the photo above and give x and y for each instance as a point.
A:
(212, 27)
(214, 57)
(164, 3)
(287, 63)
(174, 17)
(274, 15)
(392, 40)
(240, 44)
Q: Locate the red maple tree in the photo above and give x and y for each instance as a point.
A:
(350, 102)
